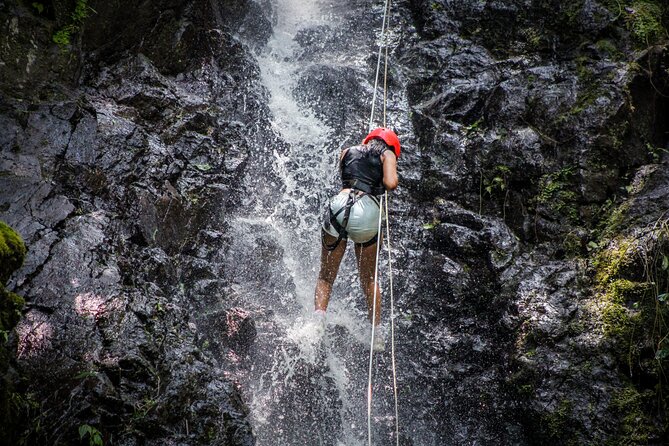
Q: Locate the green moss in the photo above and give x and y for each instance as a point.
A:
(10, 310)
(589, 91)
(608, 48)
(635, 428)
(558, 425)
(572, 244)
(556, 194)
(572, 10)
(532, 36)
(583, 71)
(625, 309)
(12, 252)
(632, 284)
(609, 263)
(526, 390)
(620, 321)
(644, 21)
(617, 132)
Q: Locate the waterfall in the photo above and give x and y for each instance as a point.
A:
(299, 390)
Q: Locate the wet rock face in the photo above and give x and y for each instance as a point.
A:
(528, 111)
(120, 190)
(532, 137)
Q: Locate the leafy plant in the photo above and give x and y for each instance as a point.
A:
(555, 193)
(498, 181)
(94, 435)
(63, 37)
(143, 408)
(86, 374)
(496, 184)
(644, 20)
(431, 225)
(656, 152)
(204, 167)
(475, 126)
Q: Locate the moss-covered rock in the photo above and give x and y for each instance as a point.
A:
(636, 427)
(644, 20)
(631, 279)
(12, 253)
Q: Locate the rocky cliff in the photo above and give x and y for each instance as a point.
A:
(530, 228)
(121, 149)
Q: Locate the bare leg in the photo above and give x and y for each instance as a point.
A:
(366, 264)
(330, 261)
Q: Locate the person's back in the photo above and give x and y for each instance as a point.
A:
(367, 171)
(361, 167)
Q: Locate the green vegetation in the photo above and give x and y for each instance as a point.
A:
(39, 7)
(12, 253)
(94, 436)
(496, 184)
(644, 20)
(632, 281)
(532, 36)
(558, 425)
(656, 152)
(556, 194)
(63, 37)
(608, 48)
(572, 244)
(611, 219)
(431, 225)
(474, 127)
(498, 181)
(636, 427)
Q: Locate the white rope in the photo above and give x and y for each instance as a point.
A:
(378, 62)
(392, 324)
(386, 10)
(371, 346)
(378, 245)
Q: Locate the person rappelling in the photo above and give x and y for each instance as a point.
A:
(367, 171)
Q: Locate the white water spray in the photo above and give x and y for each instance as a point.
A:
(292, 338)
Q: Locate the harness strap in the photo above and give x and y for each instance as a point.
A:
(340, 228)
(363, 187)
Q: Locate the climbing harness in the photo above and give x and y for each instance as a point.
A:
(331, 219)
(384, 208)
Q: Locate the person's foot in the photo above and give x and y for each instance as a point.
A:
(319, 321)
(379, 343)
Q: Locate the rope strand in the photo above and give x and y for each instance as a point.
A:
(383, 45)
(371, 347)
(392, 324)
(378, 62)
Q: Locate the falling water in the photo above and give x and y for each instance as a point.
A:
(299, 390)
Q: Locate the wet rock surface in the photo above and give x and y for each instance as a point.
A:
(120, 187)
(525, 112)
(529, 229)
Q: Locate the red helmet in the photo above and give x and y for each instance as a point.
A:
(387, 136)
